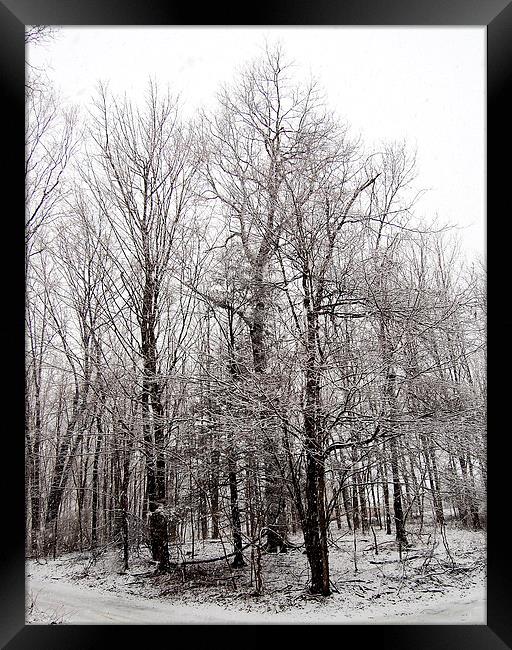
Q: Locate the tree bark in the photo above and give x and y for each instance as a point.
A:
(159, 539)
(238, 560)
(315, 525)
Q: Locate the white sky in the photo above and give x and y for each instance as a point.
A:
(424, 85)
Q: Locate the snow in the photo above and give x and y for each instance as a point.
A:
(75, 604)
(424, 588)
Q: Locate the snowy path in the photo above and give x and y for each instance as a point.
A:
(71, 603)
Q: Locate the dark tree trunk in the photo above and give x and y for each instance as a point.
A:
(250, 498)
(346, 504)
(82, 472)
(203, 515)
(95, 483)
(124, 503)
(397, 495)
(236, 524)
(385, 489)
(276, 518)
(215, 492)
(337, 514)
(355, 503)
(159, 432)
(35, 481)
(362, 501)
(475, 516)
(429, 461)
(315, 530)
(154, 489)
(376, 507)
(391, 398)
(403, 470)
(153, 411)
(439, 498)
(159, 539)
(315, 524)
(464, 510)
(416, 487)
(64, 457)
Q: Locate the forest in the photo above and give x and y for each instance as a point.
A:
(243, 345)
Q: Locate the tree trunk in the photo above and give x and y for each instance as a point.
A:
(346, 504)
(355, 503)
(95, 483)
(275, 524)
(159, 539)
(362, 501)
(238, 560)
(397, 495)
(429, 461)
(214, 483)
(35, 480)
(65, 454)
(315, 525)
(385, 489)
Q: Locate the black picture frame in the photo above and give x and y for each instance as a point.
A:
(496, 15)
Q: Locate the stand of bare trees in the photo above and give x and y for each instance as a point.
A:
(236, 329)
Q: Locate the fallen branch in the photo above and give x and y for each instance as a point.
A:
(412, 557)
(355, 580)
(210, 559)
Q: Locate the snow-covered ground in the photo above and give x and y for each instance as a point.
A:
(422, 589)
(64, 602)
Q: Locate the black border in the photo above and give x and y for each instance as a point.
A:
(14, 15)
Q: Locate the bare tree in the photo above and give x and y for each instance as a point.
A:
(49, 145)
(139, 179)
(237, 328)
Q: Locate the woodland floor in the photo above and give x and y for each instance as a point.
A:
(436, 582)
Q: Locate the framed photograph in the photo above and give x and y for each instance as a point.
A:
(252, 312)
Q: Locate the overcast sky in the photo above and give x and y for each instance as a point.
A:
(424, 85)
